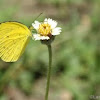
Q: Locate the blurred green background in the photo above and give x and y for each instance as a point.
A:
(76, 52)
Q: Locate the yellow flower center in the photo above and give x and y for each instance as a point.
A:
(44, 29)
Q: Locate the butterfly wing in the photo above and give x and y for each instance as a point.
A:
(14, 37)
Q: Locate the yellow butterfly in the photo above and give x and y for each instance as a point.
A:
(14, 37)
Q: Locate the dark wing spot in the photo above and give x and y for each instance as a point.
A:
(7, 36)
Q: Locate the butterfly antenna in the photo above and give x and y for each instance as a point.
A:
(31, 27)
(38, 16)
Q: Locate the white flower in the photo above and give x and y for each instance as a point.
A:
(45, 29)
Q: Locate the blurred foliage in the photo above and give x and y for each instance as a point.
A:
(76, 52)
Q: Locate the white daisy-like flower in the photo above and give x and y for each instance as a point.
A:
(45, 30)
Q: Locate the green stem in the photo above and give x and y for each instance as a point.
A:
(49, 72)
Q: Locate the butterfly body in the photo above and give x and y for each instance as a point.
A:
(14, 37)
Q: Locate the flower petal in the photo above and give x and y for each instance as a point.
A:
(56, 31)
(36, 25)
(45, 20)
(39, 37)
(51, 22)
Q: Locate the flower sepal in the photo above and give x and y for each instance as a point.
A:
(48, 42)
